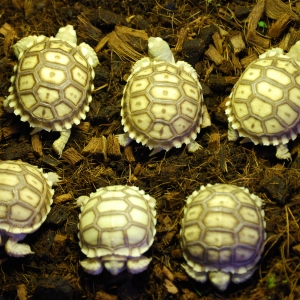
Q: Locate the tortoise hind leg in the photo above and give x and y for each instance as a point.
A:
(60, 143)
(14, 249)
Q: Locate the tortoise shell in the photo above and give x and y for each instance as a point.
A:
(52, 85)
(162, 104)
(265, 103)
(25, 197)
(222, 234)
(117, 221)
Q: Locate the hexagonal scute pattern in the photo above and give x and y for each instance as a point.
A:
(265, 103)
(117, 220)
(25, 197)
(222, 230)
(162, 105)
(52, 85)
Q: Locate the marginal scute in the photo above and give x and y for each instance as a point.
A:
(26, 82)
(222, 231)
(117, 223)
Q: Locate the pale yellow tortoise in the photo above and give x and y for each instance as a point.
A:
(264, 106)
(162, 104)
(25, 199)
(116, 226)
(222, 234)
(53, 82)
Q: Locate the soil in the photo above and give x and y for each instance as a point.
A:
(219, 38)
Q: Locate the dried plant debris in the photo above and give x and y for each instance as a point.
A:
(220, 39)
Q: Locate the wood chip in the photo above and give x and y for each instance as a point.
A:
(9, 34)
(189, 295)
(87, 30)
(96, 147)
(37, 145)
(237, 43)
(113, 126)
(182, 37)
(236, 64)
(176, 253)
(129, 154)
(113, 147)
(109, 17)
(8, 131)
(29, 7)
(59, 243)
(122, 49)
(181, 276)
(214, 142)
(168, 273)
(258, 41)
(246, 61)
(231, 79)
(18, 4)
(167, 220)
(255, 15)
(218, 41)
(297, 7)
(253, 20)
(50, 161)
(123, 39)
(3, 112)
(157, 271)
(274, 9)
(223, 162)
(21, 292)
(138, 169)
(101, 44)
(167, 238)
(214, 55)
(294, 37)
(101, 295)
(226, 67)
(72, 156)
(279, 26)
(83, 126)
(171, 288)
(297, 249)
(63, 198)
